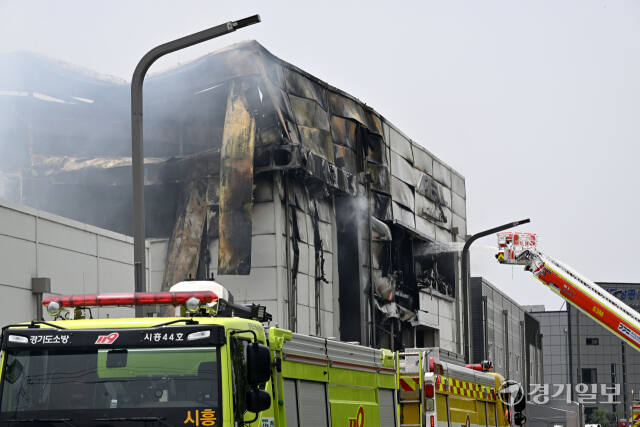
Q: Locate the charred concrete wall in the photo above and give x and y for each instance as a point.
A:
(286, 189)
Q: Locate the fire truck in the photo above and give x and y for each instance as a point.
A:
(613, 314)
(634, 421)
(218, 363)
(433, 393)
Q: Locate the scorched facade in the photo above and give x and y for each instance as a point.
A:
(290, 192)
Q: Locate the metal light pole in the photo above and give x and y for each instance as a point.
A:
(466, 291)
(137, 151)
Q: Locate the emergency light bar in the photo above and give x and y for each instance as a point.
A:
(131, 298)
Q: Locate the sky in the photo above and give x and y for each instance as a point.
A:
(535, 102)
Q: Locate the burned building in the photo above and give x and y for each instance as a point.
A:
(287, 190)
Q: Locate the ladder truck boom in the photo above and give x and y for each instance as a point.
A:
(620, 319)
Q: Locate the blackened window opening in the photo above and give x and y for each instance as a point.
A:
(435, 268)
(348, 268)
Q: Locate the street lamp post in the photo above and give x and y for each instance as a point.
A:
(466, 291)
(137, 151)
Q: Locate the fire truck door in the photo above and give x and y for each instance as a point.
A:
(306, 403)
(491, 414)
(290, 403)
(387, 408)
(442, 410)
(481, 418)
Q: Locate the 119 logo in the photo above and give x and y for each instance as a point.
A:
(107, 339)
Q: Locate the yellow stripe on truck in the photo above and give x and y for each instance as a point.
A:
(461, 388)
(408, 383)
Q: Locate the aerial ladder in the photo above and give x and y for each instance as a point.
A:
(620, 319)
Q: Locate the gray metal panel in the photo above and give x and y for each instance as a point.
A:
(112, 276)
(263, 218)
(402, 169)
(403, 216)
(309, 113)
(18, 224)
(422, 160)
(21, 308)
(302, 282)
(354, 354)
(446, 196)
(290, 403)
(457, 184)
(302, 312)
(305, 254)
(312, 403)
(301, 219)
(402, 193)
(426, 227)
(119, 250)
(442, 173)
(325, 209)
(442, 235)
(400, 144)
(307, 346)
(242, 289)
(20, 255)
(325, 235)
(262, 251)
(74, 272)
(458, 204)
(62, 236)
(387, 408)
(447, 215)
(427, 209)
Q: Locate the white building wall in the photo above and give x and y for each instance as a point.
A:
(266, 284)
(439, 313)
(78, 258)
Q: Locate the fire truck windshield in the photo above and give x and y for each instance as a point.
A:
(95, 383)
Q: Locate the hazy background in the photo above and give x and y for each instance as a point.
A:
(536, 103)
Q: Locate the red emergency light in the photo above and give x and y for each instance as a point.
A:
(131, 298)
(474, 366)
(484, 366)
(428, 390)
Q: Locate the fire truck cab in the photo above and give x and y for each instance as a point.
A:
(213, 364)
(160, 371)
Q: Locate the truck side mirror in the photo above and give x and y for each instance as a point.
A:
(258, 400)
(14, 371)
(521, 403)
(258, 364)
